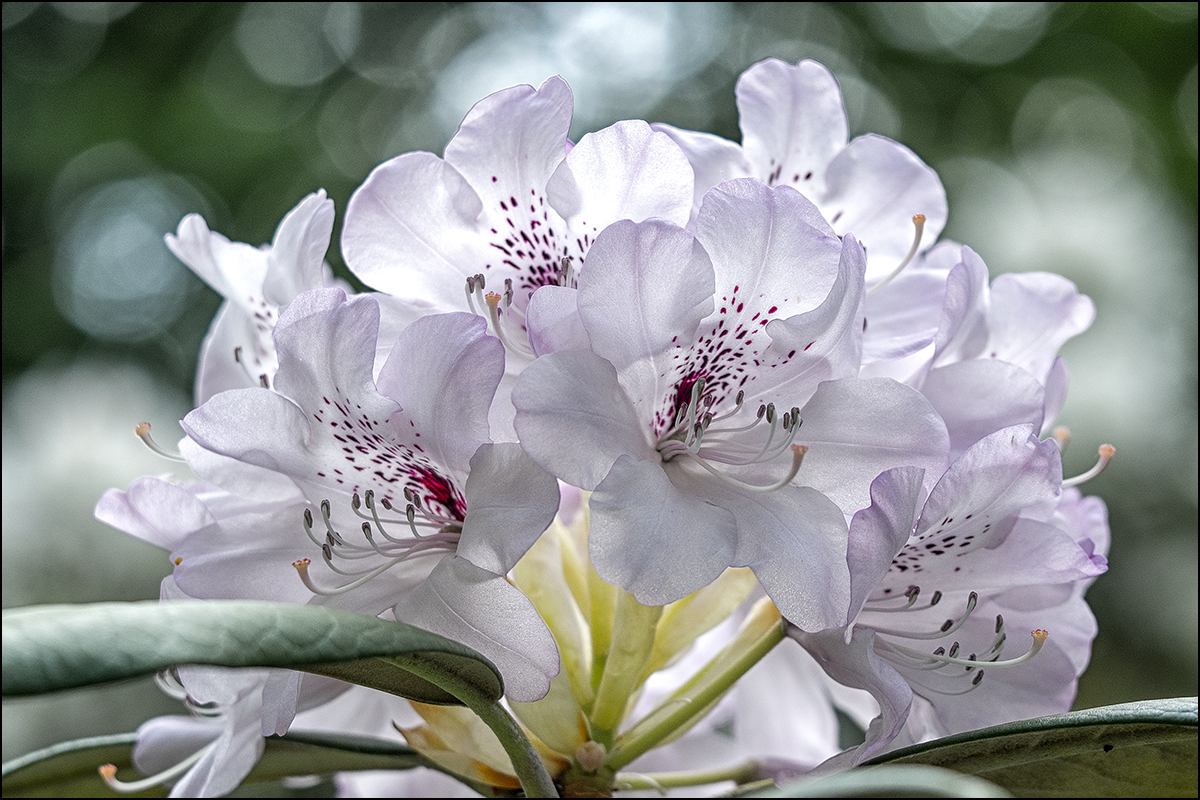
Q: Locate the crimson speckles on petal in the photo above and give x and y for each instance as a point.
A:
(532, 247)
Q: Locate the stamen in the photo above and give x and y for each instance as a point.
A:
(798, 451)
(335, 547)
(493, 303)
(919, 225)
(1039, 639)
(143, 433)
(566, 277)
(108, 773)
(1107, 451)
(948, 627)
(911, 594)
(475, 286)
(1061, 436)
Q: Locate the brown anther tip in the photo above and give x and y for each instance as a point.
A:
(301, 563)
(918, 219)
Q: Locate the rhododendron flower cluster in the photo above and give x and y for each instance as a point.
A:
(803, 456)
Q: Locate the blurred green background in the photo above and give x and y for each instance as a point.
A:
(1065, 134)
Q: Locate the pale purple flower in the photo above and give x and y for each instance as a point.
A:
(795, 133)
(761, 309)
(509, 202)
(996, 550)
(256, 282)
(363, 450)
(992, 360)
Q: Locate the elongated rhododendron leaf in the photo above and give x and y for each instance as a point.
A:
(48, 648)
(1143, 749)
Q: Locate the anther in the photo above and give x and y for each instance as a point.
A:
(1061, 436)
(1039, 639)
(947, 627)
(919, 224)
(143, 433)
(108, 773)
(1107, 451)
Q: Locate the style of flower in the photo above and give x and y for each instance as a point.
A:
(761, 309)
(996, 546)
(256, 282)
(794, 133)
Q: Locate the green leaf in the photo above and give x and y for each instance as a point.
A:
(1143, 749)
(890, 781)
(48, 648)
(69, 769)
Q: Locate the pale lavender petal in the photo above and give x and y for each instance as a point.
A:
(234, 269)
(412, 230)
(856, 429)
(513, 140)
(297, 256)
(878, 532)
(574, 418)
(857, 665)
(248, 557)
(976, 398)
(553, 321)
(643, 292)
(260, 485)
(769, 248)
(823, 344)
(510, 502)
(794, 539)
(962, 332)
(873, 189)
(1007, 472)
(793, 122)
(1056, 394)
(443, 371)
(483, 610)
(1032, 315)
(903, 316)
(626, 171)
(155, 511)
(218, 369)
(714, 160)
(653, 539)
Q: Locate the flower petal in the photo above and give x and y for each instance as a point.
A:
(443, 371)
(793, 122)
(510, 502)
(654, 540)
(873, 189)
(976, 398)
(296, 261)
(856, 429)
(626, 171)
(574, 418)
(483, 610)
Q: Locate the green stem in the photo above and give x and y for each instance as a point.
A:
(535, 780)
(650, 732)
(740, 774)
